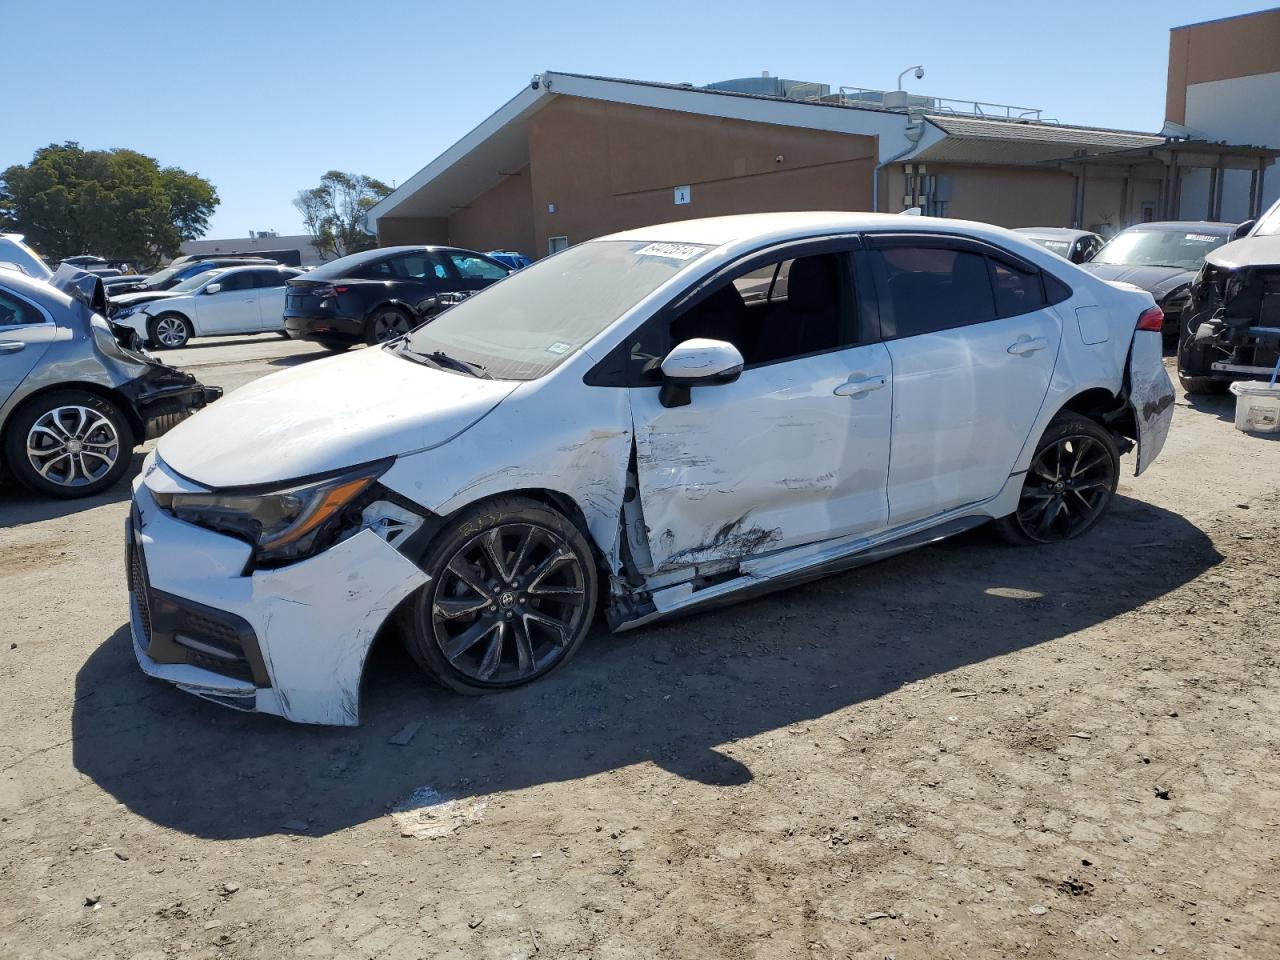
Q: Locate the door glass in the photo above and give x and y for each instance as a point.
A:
(1017, 291)
(240, 280)
(16, 312)
(924, 289)
(476, 268)
(785, 309)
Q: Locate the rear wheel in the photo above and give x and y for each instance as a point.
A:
(1071, 481)
(69, 443)
(387, 323)
(511, 596)
(169, 331)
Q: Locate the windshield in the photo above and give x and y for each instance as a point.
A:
(1160, 248)
(191, 283)
(1269, 225)
(1060, 247)
(524, 326)
(158, 281)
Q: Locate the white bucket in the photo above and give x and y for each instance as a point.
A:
(1257, 406)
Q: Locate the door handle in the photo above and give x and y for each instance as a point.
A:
(859, 388)
(1025, 346)
(12, 346)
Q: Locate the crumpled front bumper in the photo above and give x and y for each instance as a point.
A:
(164, 396)
(307, 627)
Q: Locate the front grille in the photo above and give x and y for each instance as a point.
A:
(140, 590)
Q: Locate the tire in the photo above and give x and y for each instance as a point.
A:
(1203, 386)
(1069, 486)
(386, 323)
(69, 443)
(169, 331)
(501, 610)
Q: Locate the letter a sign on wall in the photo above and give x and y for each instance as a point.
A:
(682, 195)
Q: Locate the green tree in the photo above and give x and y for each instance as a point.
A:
(119, 204)
(334, 212)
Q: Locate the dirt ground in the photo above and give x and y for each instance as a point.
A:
(968, 751)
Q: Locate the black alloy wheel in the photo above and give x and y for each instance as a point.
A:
(511, 597)
(1071, 481)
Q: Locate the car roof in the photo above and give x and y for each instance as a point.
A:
(1177, 226)
(41, 291)
(354, 260)
(1057, 233)
(766, 228)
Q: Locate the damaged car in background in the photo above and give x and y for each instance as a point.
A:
(655, 422)
(74, 401)
(1233, 315)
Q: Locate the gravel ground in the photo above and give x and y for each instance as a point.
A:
(967, 751)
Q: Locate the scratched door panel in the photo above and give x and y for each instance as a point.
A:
(773, 460)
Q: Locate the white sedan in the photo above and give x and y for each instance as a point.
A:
(653, 422)
(220, 302)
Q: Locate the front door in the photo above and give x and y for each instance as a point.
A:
(25, 334)
(973, 344)
(797, 449)
(233, 309)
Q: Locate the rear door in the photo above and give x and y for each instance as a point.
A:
(416, 278)
(973, 344)
(26, 331)
(270, 283)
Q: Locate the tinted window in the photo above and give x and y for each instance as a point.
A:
(240, 280)
(419, 265)
(923, 289)
(476, 268)
(270, 278)
(1017, 291)
(786, 309)
(14, 311)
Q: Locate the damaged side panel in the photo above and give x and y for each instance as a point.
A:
(1150, 395)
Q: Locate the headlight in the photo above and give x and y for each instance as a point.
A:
(289, 523)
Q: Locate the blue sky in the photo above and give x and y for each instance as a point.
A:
(263, 97)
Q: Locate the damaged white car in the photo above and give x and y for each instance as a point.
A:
(649, 423)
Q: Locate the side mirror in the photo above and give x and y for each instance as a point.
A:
(213, 288)
(697, 363)
(1243, 229)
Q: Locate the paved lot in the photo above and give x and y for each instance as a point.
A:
(968, 751)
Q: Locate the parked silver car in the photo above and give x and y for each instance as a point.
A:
(73, 401)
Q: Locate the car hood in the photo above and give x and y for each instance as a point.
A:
(1157, 281)
(326, 415)
(1249, 252)
(135, 297)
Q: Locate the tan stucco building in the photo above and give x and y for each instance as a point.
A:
(1224, 85)
(572, 157)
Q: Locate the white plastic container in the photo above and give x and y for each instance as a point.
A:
(1257, 406)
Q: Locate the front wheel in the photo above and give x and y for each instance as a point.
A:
(69, 443)
(1071, 481)
(511, 596)
(169, 331)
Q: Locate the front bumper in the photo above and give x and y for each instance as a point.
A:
(163, 397)
(291, 641)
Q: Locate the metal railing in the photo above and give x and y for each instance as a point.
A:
(869, 96)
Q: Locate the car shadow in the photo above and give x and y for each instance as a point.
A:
(668, 694)
(19, 506)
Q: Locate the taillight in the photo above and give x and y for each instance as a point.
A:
(322, 290)
(1151, 319)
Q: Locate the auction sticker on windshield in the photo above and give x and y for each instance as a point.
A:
(671, 251)
(1207, 238)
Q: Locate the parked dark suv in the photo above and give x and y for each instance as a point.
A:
(375, 296)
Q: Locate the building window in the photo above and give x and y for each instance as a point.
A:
(556, 244)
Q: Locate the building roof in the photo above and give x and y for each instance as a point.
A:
(499, 145)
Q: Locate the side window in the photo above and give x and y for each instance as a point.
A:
(240, 280)
(1017, 291)
(928, 288)
(378, 270)
(781, 310)
(270, 278)
(476, 268)
(16, 312)
(416, 266)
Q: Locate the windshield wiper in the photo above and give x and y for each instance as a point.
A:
(438, 358)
